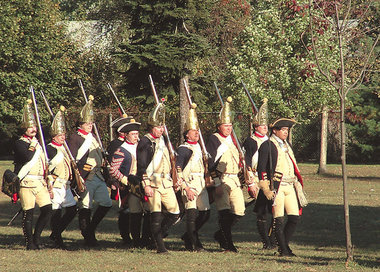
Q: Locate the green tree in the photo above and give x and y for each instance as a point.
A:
(33, 51)
(356, 42)
(274, 62)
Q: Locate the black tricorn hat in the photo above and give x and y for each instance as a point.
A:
(120, 121)
(132, 125)
(283, 122)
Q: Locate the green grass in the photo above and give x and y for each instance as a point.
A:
(319, 241)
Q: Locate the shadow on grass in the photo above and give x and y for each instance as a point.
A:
(321, 227)
(370, 178)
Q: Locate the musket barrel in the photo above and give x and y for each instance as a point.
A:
(250, 98)
(40, 132)
(115, 96)
(94, 125)
(201, 140)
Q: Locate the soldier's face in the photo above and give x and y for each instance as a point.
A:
(281, 133)
(193, 135)
(31, 131)
(158, 131)
(263, 130)
(60, 138)
(225, 129)
(132, 136)
(87, 127)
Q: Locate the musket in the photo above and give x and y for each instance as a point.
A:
(205, 153)
(117, 100)
(255, 111)
(104, 152)
(78, 178)
(247, 170)
(172, 152)
(42, 141)
(14, 217)
(254, 108)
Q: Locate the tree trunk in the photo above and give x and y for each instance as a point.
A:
(323, 151)
(342, 94)
(183, 106)
(345, 184)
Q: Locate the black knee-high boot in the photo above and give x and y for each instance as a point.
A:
(156, 220)
(219, 235)
(289, 229)
(227, 220)
(146, 232)
(168, 221)
(202, 218)
(123, 223)
(190, 235)
(99, 214)
(280, 237)
(42, 220)
(84, 217)
(27, 227)
(55, 224)
(135, 228)
(67, 217)
(63, 223)
(262, 228)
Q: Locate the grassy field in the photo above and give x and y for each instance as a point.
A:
(319, 241)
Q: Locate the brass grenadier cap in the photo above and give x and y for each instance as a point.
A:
(87, 113)
(192, 120)
(132, 125)
(225, 115)
(28, 115)
(157, 116)
(58, 126)
(261, 118)
(283, 122)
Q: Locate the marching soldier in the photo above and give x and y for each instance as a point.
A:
(224, 169)
(120, 192)
(30, 167)
(153, 167)
(124, 168)
(194, 193)
(87, 153)
(277, 168)
(60, 174)
(263, 206)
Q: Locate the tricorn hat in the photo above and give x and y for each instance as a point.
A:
(28, 115)
(87, 113)
(192, 120)
(157, 116)
(225, 115)
(58, 125)
(283, 122)
(120, 121)
(261, 117)
(131, 125)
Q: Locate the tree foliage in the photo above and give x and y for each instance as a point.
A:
(273, 60)
(33, 51)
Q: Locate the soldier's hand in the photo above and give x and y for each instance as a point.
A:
(148, 191)
(253, 190)
(269, 194)
(189, 194)
(50, 190)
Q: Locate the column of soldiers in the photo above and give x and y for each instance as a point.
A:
(145, 188)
